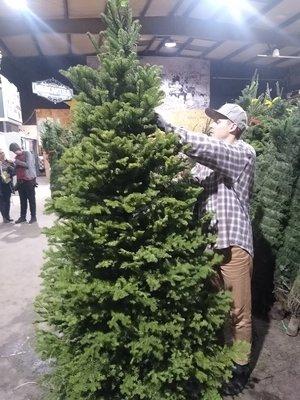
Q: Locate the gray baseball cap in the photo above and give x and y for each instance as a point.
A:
(232, 111)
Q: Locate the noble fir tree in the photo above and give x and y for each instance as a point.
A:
(55, 140)
(275, 206)
(127, 303)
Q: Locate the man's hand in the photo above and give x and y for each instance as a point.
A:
(162, 123)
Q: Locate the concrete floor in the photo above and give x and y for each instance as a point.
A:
(275, 377)
(21, 257)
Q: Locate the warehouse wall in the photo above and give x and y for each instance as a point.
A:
(226, 79)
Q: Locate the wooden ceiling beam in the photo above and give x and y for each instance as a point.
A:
(175, 8)
(37, 45)
(191, 7)
(146, 8)
(183, 46)
(159, 26)
(66, 9)
(4, 48)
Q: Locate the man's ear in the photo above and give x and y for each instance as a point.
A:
(233, 127)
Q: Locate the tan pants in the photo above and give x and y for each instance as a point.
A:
(235, 276)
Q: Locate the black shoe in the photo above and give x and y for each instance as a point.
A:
(240, 377)
(6, 220)
(20, 220)
(32, 220)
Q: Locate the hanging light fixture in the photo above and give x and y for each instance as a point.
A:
(170, 43)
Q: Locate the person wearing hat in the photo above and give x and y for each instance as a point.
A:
(26, 182)
(225, 169)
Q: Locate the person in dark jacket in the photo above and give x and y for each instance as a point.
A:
(6, 188)
(26, 181)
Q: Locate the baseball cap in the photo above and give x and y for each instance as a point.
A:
(232, 111)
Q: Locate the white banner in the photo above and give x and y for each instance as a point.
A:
(52, 90)
(11, 101)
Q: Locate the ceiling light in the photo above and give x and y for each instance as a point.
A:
(17, 4)
(170, 44)
(238, 7)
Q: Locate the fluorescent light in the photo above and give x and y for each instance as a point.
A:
(170, 44)
(17, 4)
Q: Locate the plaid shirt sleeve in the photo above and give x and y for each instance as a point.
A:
(227, 159)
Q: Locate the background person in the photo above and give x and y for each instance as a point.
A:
(6, 174)
(26, 182)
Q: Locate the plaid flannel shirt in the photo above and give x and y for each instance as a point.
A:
(226, 171)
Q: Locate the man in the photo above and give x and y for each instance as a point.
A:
(225, 168)
(26, 182)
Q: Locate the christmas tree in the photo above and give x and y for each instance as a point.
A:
(275, 207)
(55, 140)
(127, 304)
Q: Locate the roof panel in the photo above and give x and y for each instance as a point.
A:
(248, 10)
(202, 42)
(160, 8)
(224, 49)
(184, 4)
(191, 53)
(179, 39)
(280, 13)
(137, 6)
(86, 8)
(53, 43)
(81, 44)
(249, 53)
(167, 50)
(155, 44)
(205, 9)
(294, 27)
(288, 63)
(146, 37)
(21, 45)
(47, 9)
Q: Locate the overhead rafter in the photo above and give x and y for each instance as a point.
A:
(211, 48)
(191, 7)
(264, 10)
(37, 45)
(5, 48)
(284, 24)
(162, 43)
(175, 8)
(183, 46)
(290, 21)
(237, 51)
(66, 16)
(146, 8)
(268, 7)
(159, 26)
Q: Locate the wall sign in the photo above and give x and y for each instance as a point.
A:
(52, 90)
(10, 106)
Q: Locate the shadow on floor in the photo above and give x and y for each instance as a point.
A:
(16, 233)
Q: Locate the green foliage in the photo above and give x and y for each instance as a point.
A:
(55, 140)
(275, 208)
(127, 302)
(288, 261)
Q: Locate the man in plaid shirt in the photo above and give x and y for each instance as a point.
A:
(225, 169)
